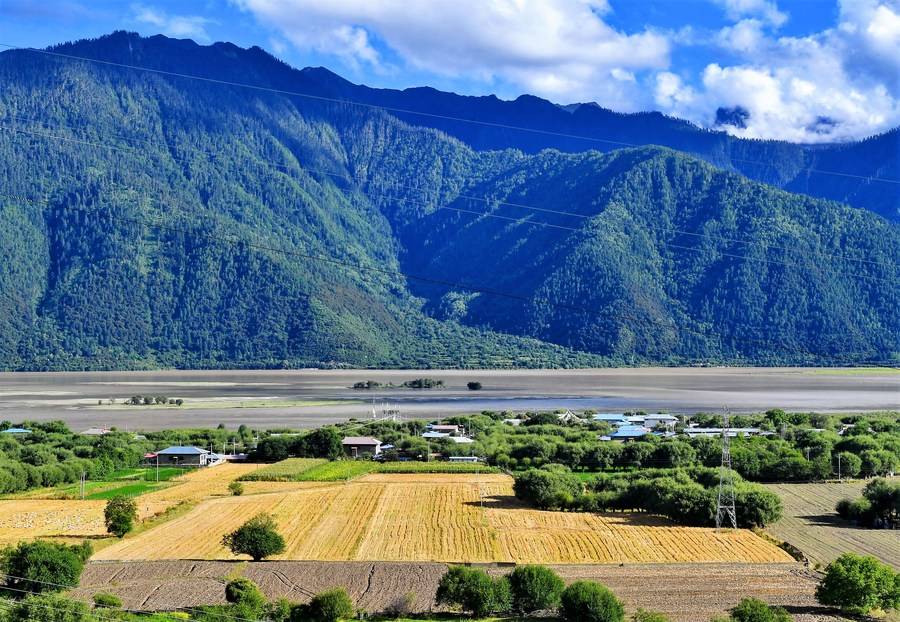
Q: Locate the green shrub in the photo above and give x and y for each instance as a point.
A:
(329, 606)
(244, 591)
(535, 588)
(474, 590)
(236, 488)
(49, 608)
(642, 615)
(587, 601)
(858, 584)
(119, 515)
(42, 566)
(258, 538)
(755, 610)
(102, 600)
(547, 490)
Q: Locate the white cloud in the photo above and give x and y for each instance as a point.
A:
(765, 10)
(561, 49)
(745, 36)
(839, 84)
(193, 26)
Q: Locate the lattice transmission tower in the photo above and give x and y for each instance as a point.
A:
(725, 510)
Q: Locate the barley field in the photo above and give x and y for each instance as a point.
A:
(25, 519)
(811, 524)
(427, 517)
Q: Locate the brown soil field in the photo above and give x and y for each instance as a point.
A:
(811, 524)
(449, 518)
(686, 592)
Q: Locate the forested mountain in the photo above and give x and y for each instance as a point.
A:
(150, 219)
(843, 172)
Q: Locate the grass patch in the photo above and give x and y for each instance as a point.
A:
(434, 467)
(128, 490)
(165, 473)
(855, 371)
(290, 470)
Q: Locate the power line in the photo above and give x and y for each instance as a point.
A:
(362, 269)
(487, 200)
(432, 115)
(461, 210)
(139, 611)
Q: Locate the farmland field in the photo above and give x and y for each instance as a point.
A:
(686, 592)
(422, 517)
(811, 524)
(32, 517)
(284, 471)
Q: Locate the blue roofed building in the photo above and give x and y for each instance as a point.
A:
(16, 431)
(178, 455)
(629, 432)
(611, 418)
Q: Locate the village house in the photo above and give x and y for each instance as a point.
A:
(183, 456)
(359, 446)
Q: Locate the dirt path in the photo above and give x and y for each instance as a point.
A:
(687, 592)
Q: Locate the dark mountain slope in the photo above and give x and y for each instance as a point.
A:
(798, 168)
(659, 254)
(197, 224)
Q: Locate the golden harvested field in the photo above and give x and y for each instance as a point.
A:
(25, 519)
(423, 517)
(811, 524)
(196, 486)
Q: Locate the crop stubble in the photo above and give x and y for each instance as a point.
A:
(450, 518)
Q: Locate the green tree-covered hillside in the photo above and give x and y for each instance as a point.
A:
(148, 220)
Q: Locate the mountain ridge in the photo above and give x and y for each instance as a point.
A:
(645, 255)
(542, 124)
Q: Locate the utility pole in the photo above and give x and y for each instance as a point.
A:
(839, 468)
(725, 505)
(83, 476)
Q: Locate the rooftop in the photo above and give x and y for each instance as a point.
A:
(179, 450)
(360, 440)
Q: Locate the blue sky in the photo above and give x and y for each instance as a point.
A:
(800, 70)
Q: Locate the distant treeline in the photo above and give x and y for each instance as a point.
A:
(418, 383)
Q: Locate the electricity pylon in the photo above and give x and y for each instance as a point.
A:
(725, 510)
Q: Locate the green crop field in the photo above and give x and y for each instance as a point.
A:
(337, 471)
(290, 470)
(127, 490)
(434, 467)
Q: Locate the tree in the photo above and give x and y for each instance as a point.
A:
(850, 464)
(757, 507)
(535, 588)
(329, 606)
(322, 443)
(258, 538)
(474, 590)
(588, 601)
(49, 608)
(236, 488)
(546, 489)
(754, 610)
(119, 515)
(858, 584)
(42, 566)
(543, 418)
